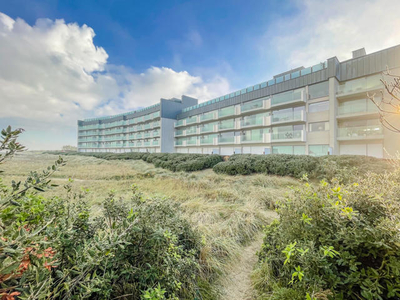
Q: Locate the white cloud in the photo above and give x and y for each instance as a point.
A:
(53, 73)
(323, 28)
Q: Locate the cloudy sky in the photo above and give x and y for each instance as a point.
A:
(61, 61)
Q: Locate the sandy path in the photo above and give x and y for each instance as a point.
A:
(237, 285)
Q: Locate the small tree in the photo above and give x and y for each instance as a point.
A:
(389, 102)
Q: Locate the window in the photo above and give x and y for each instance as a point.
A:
(318, 126)
(306, 71)
(318, 107)
(318, 90)
(295, 74)
(279, 79)
(318, 150)
(296, 150)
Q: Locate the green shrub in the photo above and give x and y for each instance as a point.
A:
(334, 242)
(345, 167)
(171, 161)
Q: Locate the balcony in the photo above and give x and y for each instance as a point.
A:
(289, 136)
(360, 85)
(179, 142)
(360, 132)
(179, 123)
(253, 105)
(253, 121)
(191, 141)
(179, 132)
(156, 133)
(147, 126)
(356, 109)
(288, 97)
(226, 139)
(287, 117)
(226, 125)
(191, 130)
(191, 120)
(156, 124)
(155, 143)
(147, 134)
(207, 128)
(207, 116)
(254, 136)
(139, 144)
(147, 143)
(227, 111)
(207, 140)
(131, 144)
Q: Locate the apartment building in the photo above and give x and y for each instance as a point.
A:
(146, 130)
(318, 110)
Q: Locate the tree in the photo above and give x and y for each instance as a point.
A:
(389, 102)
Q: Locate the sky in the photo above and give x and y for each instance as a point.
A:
(62, 61)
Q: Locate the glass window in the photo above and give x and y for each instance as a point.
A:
(226, 97)
(318, 126)
(279, 79)
(299, 150)
(243, 91)
(318, 150)
(318, 107)
(232, 95)
(256, 87)
(271, 82)
(237, 93)
(249, 89)
(287, 76)
(318, 90)
(264, 84)
(282, 149)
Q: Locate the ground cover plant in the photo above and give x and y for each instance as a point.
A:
(334, 242)
(170, 161)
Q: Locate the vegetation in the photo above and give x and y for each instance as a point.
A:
(170, 161)
(341, 167)
(58, 248)
(334, 242)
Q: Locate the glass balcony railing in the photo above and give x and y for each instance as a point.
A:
(147, 143)
(139, 136)
(354, 108)
(179, 142)
(139, 144)
(252, 136)
(252, 105)
(155, 143)
(191, 120)
(139, 127)
(131, 144)
(156, 133)
(191, 130)
(228, 124)
(207, 116)
(287, 135)
(227, 111)
(147, 134)
(147, 126)
(207, 140)
(179, 123)
(156, 124)
(226, 139)
(252, 121)
(179, 132)
(287, 97)
(287, 116)
(359, 85)
(207, 128)
(360, 131)
(191, 141)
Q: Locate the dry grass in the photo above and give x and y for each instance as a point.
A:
(228, 210)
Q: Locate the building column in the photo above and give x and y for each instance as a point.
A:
(333, 109)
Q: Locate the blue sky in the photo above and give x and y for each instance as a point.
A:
(66, 60)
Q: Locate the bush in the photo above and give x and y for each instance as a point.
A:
(344, 167)
(334, 242)
(171, 161)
